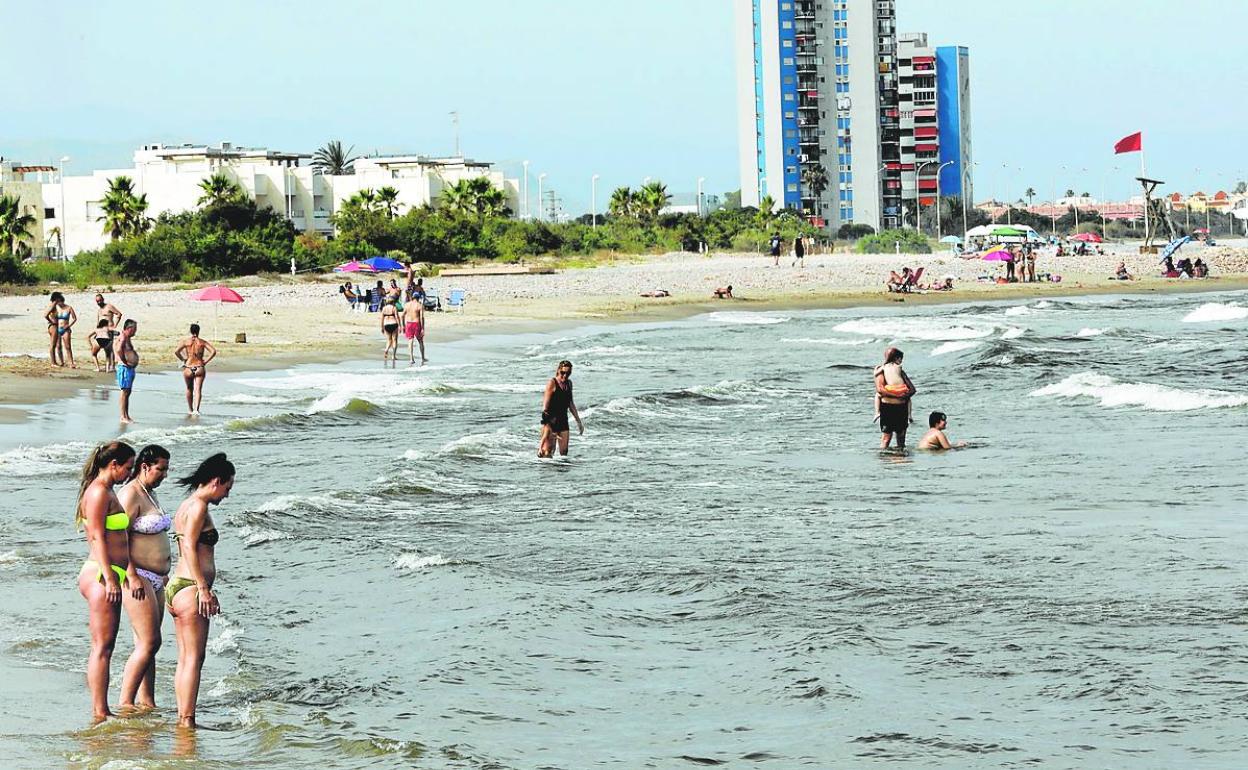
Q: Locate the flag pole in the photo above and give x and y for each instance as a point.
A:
(1144, 175)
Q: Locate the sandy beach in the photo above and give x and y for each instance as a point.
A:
(296, 320)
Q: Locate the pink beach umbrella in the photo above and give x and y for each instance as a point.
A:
(998, 255)
(354, 267)
(216, 294)
(1087, 238)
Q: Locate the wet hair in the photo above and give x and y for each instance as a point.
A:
(893, 355)
(100, 458)
(149, 455)
(215, 468)
(130, 324)
(934, 418)
(195, 329)
(56, 296)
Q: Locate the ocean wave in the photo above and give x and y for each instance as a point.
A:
(826, 341)
(257, 536)
(1012, 333)
(736, 317)
(242, 424)
(253, 398)
(1156, 398)
(955, 346)
(608, 351)
(1018, 310)
(498, 444)
(1089, 332)
(9, 557)
(1216, 311)
(934, 329)
(226, 641)
(51, 460)
(414, 562)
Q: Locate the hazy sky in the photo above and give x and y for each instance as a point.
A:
(621, 89)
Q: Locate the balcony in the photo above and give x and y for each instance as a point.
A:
(807, 49)
(804, 11)
(807, 84)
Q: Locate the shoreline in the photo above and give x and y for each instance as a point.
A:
(27, 382)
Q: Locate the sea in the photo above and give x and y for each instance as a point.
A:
(725, 571)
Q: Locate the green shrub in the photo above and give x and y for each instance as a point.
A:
(11, 270)
(886, 242)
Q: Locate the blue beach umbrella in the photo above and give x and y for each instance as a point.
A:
(383, 263)
(951, 239)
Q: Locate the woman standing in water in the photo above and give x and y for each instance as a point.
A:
(108, 567)
(61, 319)
(195, 353)
(390, 328)
(894, 390)
(150, 558)
(555, 406)
(196, 535)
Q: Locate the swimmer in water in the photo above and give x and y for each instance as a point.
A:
(107, 570)
(935, 437)
(189, 595)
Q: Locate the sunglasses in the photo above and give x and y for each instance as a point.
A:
(565, 371)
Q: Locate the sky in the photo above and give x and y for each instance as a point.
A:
(625, 90)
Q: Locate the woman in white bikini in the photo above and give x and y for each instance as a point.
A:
(150, 560)
(195, 353)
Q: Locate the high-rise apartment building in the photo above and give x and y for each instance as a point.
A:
(818, 108)
(934, 106)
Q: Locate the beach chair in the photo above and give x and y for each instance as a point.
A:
(455, 300)
(913, 283)
(432, 300)
(374, 301)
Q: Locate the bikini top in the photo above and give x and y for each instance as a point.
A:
(154, 522)
(206, 537)
(119, 520)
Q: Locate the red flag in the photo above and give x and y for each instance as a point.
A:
(1132, 143)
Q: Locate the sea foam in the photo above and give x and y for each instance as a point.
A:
(935, 329)
(740, 317)
(955, 346)
(1155, 398)
(414, 562)
(1215, 311)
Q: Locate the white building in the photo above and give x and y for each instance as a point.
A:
(16, 181)
(170, 177)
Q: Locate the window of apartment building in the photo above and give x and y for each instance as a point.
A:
(788, 80)
(791, 187)
(842, 88)
(786, 6)
(788, 61)
(49, 213)
(790, 97)
(786, 25)
(840, 33)
(786, 43)
(791, 133)
(841, 52)
(790, 114)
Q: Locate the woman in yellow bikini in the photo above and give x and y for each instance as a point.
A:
(108, 569)
(189, 594)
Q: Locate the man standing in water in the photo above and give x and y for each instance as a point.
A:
(105, 311)
(555, 406)
(894, 388)
(127, 363)
(414, 328)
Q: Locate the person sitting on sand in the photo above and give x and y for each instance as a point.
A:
(898, 282)
(1200, 269)
(1121, 273)
(935, 437)
(1184, 267)
(656, 293)
(723, 292)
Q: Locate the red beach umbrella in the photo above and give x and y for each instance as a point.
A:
(216, 294)
(1088, 238)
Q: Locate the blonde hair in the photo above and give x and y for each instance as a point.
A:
(100, 458)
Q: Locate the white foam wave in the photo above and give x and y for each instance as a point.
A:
(51, 460)
(1216, 311)
(742, 317)
(826, 341)
(916, 328)
(284, 503)
(1089, 332)
(9, 557)
(1011, 333)
(225, 641)
(609, 351)
(1018, 310)
(414, 562)
(495, 444)
(1156, 398)
(252, 398)
(255, 536)
(955, 346)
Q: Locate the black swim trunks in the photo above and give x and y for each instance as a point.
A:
(894, 418)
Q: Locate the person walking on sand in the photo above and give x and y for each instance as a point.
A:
(195, 354)
(196, 536)
(61, 319)
(556, 403)
(107, 312)
(799, 251)
(127, 364)
(149, 556)
(935, 437)
(414, 329)
(107, 568)
(389, 318)
(775, 248)
(894, 391)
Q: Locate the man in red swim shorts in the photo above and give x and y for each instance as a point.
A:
(414, 329)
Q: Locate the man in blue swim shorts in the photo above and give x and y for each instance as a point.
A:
(127, 363)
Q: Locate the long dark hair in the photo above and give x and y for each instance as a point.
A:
(99, 459)
(148, 455)
(215, 468)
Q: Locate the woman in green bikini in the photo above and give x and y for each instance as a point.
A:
(189, 594)
(108, 569)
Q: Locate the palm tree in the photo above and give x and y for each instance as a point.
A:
(219, 189)
(1030, 194)
(332, 160)
(623, 203)
(15, 227)
(652, 199)
(125, 213)
(815, 179)
(474, 197)
(766, 210)
(1070, 193)
(388, 200)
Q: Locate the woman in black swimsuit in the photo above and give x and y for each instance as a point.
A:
(390, 328)
(555, 406)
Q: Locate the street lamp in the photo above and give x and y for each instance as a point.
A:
(965, 175)
(1105, 200)
(1077, 198)
(64, 237)
(593, 201)
(918, 202)
(540, 178)
(524, 208)
(701, 179)
(938, 170)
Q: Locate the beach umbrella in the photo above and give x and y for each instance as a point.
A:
(1008, 232)
(1088, 238)
(951, 239)
(998, 255)
(354, 267)
(216, 294)
(383, 263)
